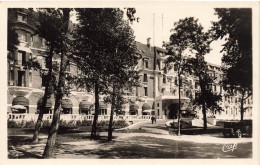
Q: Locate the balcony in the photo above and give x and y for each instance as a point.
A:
(19, 91)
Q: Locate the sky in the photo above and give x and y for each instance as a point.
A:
(161, 30)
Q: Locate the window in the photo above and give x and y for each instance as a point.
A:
(175, 67)
(43, 64)
(21, 18)
(145, 77)
(44, 80)
(145, 91)
(35, 39)
(215, 88)
(175, 81)
(21, 79)
(22, 37)
(21, 58)
(164, 79)
(146, 63)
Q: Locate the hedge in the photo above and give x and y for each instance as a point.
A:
(73, 124)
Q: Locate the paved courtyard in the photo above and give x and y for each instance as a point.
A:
(142, 140)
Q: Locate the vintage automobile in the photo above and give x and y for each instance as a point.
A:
(237, 128)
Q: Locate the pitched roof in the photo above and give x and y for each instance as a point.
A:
(147, 51)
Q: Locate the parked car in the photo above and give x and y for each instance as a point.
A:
(185, 123)
(237, 128)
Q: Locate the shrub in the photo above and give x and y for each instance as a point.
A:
(29, 124)
(12, 124)
(46, 124)
(68, 125)
(120, 124)
(20, 124)
(86, 123)
(102, 123)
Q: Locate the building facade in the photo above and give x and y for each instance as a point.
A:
(156, 95)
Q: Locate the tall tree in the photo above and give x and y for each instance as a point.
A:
(177, 49)
(199, 44)
(105, 47)
(51, 34)
(235, 26)
(63, 17)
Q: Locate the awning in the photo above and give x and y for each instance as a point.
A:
(18, 107)
(102, 105)
(20, 100)
(146, 107)
(48, 104)
(133, 107)
(173, 99)
(84, 104)
(66, 103)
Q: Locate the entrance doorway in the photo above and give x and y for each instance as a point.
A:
(173, 111)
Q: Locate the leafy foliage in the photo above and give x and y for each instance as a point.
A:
(189, 40)
(104, 49)
(235, 26)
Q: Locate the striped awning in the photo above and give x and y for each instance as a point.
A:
(48, 104)
(84, 104)
(66, 103)
(20, 100)
(133, 107)
(146, 107)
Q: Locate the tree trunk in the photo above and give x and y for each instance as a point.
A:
(204, 112)
(38, 127)
(179, 109)
(47, 94)
(110, 129)
(48, 152)
(204, 116)
(56, 116)
(94, 124)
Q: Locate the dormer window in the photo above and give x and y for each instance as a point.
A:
(22, 17)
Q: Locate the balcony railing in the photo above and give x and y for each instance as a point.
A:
(70, 117)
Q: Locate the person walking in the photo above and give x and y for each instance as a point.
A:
(152, 118)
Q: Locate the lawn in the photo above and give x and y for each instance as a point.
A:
(125, 145)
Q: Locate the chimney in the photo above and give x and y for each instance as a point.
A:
(148, 42)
